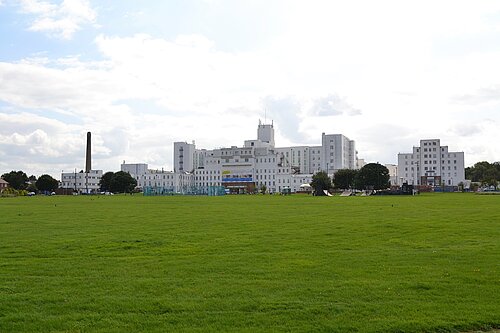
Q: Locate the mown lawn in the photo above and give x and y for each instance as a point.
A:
(428, 263)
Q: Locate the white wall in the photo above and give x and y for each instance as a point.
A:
(81, 181)
(431, 159)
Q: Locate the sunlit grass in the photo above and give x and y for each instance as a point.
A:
(428, 263)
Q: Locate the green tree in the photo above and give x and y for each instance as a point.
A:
(344, 179)
(321, 182)
(122, 182)
(46, 183)
(105, 182)
(484, 172)
(16, 179)
(373, 176)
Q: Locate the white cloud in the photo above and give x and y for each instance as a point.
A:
(287, 111)
(333, 105)
(61, 20)
(328, 62)
(481, 96)
(38, 143)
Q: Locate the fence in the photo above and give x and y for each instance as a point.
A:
(187, 190)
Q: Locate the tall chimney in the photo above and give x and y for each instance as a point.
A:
(88, 164)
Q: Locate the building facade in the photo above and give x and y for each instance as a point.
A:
(431, 164)
(393, 174)
(3, 185)
(173, 182)
(258, 163)
(82, 182)
(253, 166)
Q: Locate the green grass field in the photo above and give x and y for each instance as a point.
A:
(428, 263)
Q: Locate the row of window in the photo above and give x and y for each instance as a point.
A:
(207, 172)
(431, 155)
(236, 152)
(207, 178)
(70, 184)
(433, 168)
(449, 175)
(265, 177)
(265, 171)
(156, 177)
(164, 184)
(236, 160)
(433, 162)
(80, 177)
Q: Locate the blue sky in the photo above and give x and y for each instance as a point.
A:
(141, 75)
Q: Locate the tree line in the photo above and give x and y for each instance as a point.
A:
(372, 176)
(117, 182)
(484, 172)
(19, 181)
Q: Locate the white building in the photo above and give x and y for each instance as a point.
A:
(175, 182)
(431, 164)
(338, 152)
(393, 174)
(81, 182)
(258, 163)
(135, 169)
(184, 157)
(361, 163)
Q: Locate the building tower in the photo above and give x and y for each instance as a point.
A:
(265, 133)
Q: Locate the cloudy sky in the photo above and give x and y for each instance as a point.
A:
(142, 74)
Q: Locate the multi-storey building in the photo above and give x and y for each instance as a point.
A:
(257, 164)
(82, 182)
(431, 164)
(184, 157)
(393, 174)
(338, 153)
(260, 164)
(175, 182)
